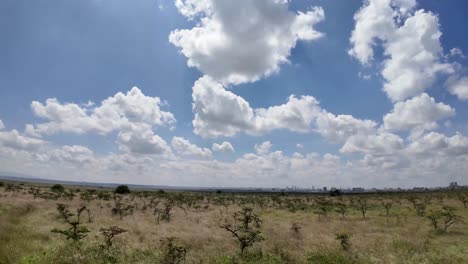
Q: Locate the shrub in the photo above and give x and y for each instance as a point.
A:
(76, 231)
(173, 253)
(122, 189)
(243, 230)
(333, 257)
(58, 188)
(165, 212)
(362, 205)
(445, 217)
(296, 228)
(343, 238)
(120, 208)
(110, 233)
(63, 211)
(463, 198)
(387, 205)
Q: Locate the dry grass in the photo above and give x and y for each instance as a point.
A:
(402, 237)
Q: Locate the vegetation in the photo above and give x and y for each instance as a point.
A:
(122, 189)
(102, 226)
(58, 188)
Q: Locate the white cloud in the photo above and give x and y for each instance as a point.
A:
(436, 144)
(219, 112)
(77, 155)
(381, 143)
(185, 148)
(373, 21)
(13, 139)
(296, 114)
(263, 148)
(337, 128)
(457, 52)
(223, 147)
(300, 146)
(415, 57)
(242, 41)
(411, 45)
(142, 140)
(458, 85)
(115, 113)
(2, 126)
(418, 113)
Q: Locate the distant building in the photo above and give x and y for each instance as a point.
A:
(358, 189)
(453, 185)
(324, 189)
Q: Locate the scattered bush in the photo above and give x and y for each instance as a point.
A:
(122, 189)
(57, 188)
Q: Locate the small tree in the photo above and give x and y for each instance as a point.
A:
(450, 217)
(57, 188)
(76, 231)
(445, 217)
(63, 211)
(164, 213)
(341, 209)
(122, 189)
(120, 208)
(463, 198)
(242, 229)
(387, 204)
(343, 238)
(296, 228)
(172, 252)
(110, 233)
(362, 205)
(434, 217)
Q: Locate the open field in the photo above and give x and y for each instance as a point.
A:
(185, 227)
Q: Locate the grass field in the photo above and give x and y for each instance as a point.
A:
(185, 227)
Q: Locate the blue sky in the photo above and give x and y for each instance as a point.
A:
(337, 135)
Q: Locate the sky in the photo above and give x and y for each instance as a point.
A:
(219, 93)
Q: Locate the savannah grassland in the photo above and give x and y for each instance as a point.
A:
(292, 228)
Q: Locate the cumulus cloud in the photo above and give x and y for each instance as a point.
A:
(411, 45)
(75, 154)
(418, 113)
(114, 113)
(263, 148)
(2, 126)
(142, 140)
(458, 85)
(381, 143)
(219, 112)
(185, 148)
(457, 52)
(242, 41)
(435, 143)
(13, 139)
(223, 147)
(337, 128)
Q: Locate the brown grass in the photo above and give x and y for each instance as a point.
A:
(403, 237)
